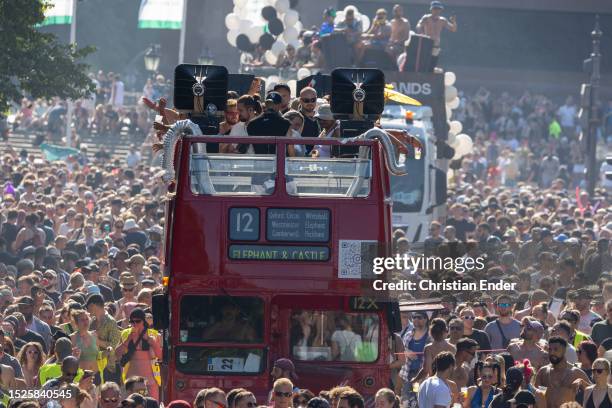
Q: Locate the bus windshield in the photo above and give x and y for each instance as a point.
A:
(226, 319)
(334, 336)
(408, 191)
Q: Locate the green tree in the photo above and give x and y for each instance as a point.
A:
(36, 63)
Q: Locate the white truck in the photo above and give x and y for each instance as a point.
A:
(420, 196)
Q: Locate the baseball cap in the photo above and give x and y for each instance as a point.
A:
(436, 5)
(274, 97)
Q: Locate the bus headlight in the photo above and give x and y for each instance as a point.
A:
(180, 385)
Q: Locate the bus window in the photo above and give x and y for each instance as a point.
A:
(221, 319)
(227, 174)
(324, 177)
(219, 361)
(334, 336)
(408, 191)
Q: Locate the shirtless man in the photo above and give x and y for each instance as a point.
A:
(528, 347)
(466, 350)
(400, 31)
(558, 376)
(433, 24)
(438, 332)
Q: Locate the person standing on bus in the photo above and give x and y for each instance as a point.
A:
(330, 127)
(270, 123)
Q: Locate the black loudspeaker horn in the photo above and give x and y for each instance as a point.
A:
(200, 88)
(357, 92)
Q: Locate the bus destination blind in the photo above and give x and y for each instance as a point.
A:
(297, 225)
(279, 253)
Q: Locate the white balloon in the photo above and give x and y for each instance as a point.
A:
(232, 21)
(454, 104)
(450, 93)
(463, 145)
(269, 2)
(296, 44)
(292, 84)
(290, 18)
(302, 73)
(271, 59)
(282, 6)
(449, 78)
(365, 22)
(451, 138)
(290, 34)
(449, 112)
(456, 127)
(231, 37)
(278, 47)
(298, 26)
(240, 3)
(254, 33)
(339, 17)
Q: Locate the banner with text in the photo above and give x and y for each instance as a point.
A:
(161, 14)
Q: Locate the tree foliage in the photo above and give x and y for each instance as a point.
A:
(35, 63)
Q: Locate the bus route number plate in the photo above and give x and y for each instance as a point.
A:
(244, 224)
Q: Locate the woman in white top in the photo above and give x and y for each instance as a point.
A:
(297, 125)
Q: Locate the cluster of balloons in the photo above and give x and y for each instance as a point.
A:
(365, 20)
(275, 26)
(461, 142)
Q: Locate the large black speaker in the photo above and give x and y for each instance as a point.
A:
(240, 83)
(362, 86)
(418, 54)
(201, 84)
(336, 50)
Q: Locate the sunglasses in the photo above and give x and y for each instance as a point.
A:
(600, 370)
(418, 317)
(308, 100)
(456, 328)
(127, 289)
(283, 394)
(114, 399)
(469, 317)
(135, 321)
(504, 304)
(33, 352)
(486, 377)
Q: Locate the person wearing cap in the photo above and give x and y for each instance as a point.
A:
(432, 25)
(327, 27)
(330, 127)
(142, 345)
(559, 375)
(135, 265)
(528, 347)
(26, 307)
(284, 368)
(270, 123)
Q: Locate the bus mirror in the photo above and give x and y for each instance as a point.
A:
(161, 311)
(393, 317)
(441, 194)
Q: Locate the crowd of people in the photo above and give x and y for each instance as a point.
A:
(388, 33)
(104, 113)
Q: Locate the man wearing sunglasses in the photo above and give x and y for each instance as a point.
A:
(308, 107)
(468, 316)
(110, 395)
(505, 328)
(282, 393)
(466, 351)
(528, 347)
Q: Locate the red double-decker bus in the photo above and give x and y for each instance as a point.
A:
(263, 261)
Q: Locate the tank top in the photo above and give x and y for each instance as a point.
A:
(606, 403)
(417, 345)
(477, 398)
(89, 353)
